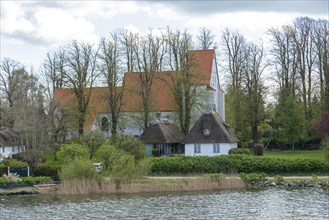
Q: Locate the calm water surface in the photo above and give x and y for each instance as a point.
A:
(264, 204)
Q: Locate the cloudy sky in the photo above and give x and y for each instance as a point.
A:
(29, 29)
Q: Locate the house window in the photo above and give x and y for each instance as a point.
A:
(197, 148)
(216, 148)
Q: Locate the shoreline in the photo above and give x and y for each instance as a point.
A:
(156, 184)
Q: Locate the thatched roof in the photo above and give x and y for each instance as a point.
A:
(219, 130)
(8, 137)
(162, 133)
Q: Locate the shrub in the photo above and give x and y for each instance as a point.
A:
(325, 147)
(278, 179)
(253, 177)
(27, 180)
(156, 152)
(107, 153)
(258, 149)
(70, 152)
(48, 170)
(120, 163)
(239, 151)
(3, 169)
(14, 163)
(36, 179)
(130, 144)
(3, 180)
(92, 141)
(12, 177)
(78, 169)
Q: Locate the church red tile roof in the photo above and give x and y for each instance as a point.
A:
(161, 97)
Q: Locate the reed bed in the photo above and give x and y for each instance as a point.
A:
(84, 187)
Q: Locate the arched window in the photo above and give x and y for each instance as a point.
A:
(105, 124)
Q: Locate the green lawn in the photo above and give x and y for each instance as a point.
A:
(289, 154)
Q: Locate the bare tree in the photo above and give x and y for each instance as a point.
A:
(205, 39)
(321, 41)
(79, 74)
(53, 69)
(234, 44)
(183, 79)
(284, 60)
(252, 71)
(148, 52)
(13, 86)
(305, 59)
(109, 56)
(129, 40)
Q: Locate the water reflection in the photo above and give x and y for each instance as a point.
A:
(264, 204)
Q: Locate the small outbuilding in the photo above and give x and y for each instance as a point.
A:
(209, 136)
(164, 137)
(9, 143)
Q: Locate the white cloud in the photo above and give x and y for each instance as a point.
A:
(253, 25)
(14, 19)
(57, 26)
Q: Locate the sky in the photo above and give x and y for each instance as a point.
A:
(30, 29)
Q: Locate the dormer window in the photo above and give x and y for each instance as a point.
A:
(206, 131)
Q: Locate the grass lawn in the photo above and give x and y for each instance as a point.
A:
(289, 154)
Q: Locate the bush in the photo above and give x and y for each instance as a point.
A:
(36, 179)
(92, 140)
(27, 180)
(120, 164)
(14, 163)
(156, 152)
(78, 169)
(48, 170)
(3, 169)
(253, 177)
(130, 144)
(325, 147)
(70, 152)
(278, 179)
(239, 151)
(258, 149)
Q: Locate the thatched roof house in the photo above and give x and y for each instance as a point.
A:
(8, 137)
(210, 136)
(164, 136)
(9, 142)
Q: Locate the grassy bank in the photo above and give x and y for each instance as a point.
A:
(81, 187)
(297, 154)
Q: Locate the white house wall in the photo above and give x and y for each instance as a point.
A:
(208, 149)
(219, 96)
(221, 103)
(8, 151)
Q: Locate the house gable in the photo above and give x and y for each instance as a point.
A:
(219, 131)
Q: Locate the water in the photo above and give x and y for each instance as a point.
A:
(264, 204)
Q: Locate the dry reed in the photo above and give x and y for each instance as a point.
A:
(81, 187)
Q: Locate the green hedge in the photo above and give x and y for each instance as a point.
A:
(239, 151)
(235, 163)
(8, 162)
(49, 170)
